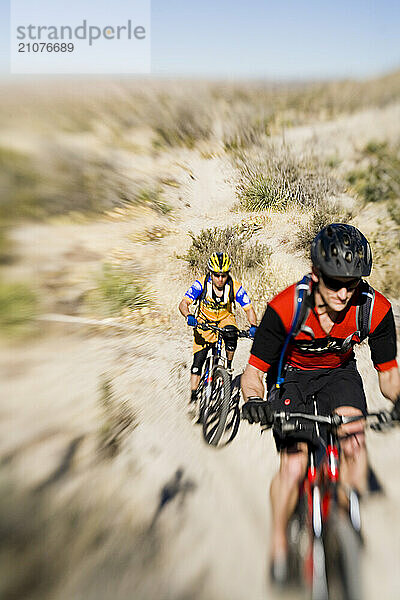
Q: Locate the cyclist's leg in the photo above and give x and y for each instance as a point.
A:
(354, 463)
(348, 398)
(293, 448)
(232, 344)
(284, 493)
(198, 361)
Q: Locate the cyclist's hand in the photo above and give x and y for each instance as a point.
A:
(257, 410)
(252, 331)
(395, 414)
(191, 321)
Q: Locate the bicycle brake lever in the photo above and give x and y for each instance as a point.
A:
(337, 420)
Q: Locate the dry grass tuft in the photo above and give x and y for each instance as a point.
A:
(236, 241)
(18, 307)
(385, 244)
(66, 182)
(277, 180)
(119, 290)
(379, 180)
(321, 215)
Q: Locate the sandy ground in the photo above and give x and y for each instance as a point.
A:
(108, 489)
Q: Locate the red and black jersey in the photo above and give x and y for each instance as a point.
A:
(312, 348)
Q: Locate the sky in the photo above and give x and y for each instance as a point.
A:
(262, 39)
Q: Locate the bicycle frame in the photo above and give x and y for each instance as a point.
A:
(215, 355)
(215, 390)
(214, 358)
(319, 493)
(319, 487)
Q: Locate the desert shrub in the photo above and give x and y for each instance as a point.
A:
(236, 241)
(394, 211)
(6, 246)
(180, 122)
(18, 306)
(152, 197)
(278, 179)
(65, 183)
(248, 125)
(19, 185)
(380, 179)
(385, 245)
(322, 214)
(119, 289)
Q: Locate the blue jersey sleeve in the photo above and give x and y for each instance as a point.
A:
(194, 291)
(242, 298)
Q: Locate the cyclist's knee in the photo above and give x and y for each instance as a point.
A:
(351, 435)
(231, 346)
(294, 463)
(199, 358)
(352, 445)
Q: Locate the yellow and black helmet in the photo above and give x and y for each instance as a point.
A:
(219, 262)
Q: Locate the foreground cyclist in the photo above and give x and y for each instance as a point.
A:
(215, 294)
(320, 361)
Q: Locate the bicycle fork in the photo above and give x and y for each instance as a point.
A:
(315, 564)
(319, 511)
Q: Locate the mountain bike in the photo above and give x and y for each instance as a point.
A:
(324, 536)
(219, 413)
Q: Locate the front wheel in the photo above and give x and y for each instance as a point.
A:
(216, 411)
(343, 558)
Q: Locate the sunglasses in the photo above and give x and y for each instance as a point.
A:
(220, 274)
(335, 285)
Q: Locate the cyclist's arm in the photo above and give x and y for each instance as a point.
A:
(251, 315)
(191, 295)
(184, 307)
(265, 351)
(242, 298)
(252, 382)
(389, 383)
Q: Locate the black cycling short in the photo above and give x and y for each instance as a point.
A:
(198, 360)
(332, 388)
(200, 356)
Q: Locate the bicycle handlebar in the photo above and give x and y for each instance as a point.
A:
(376, 421)
(243, 333)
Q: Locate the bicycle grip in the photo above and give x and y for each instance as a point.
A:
(289, 427)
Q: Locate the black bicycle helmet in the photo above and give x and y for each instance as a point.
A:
(341, 250)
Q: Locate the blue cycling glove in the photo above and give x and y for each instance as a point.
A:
(252, 331)
(191, 320)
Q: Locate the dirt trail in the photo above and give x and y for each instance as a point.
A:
(158, 513)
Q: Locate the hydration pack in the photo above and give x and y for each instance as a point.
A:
(231, 293)
(302, 309)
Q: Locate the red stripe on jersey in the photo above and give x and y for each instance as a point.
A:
(258, 363)
(310, 362)
(391, 364)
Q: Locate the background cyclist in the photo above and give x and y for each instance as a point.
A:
(215, 295)
(320, 360)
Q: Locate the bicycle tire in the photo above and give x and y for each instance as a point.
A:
(202, 393)
(343, 558)
(216, 411)
(299, 539)
(231, 427)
